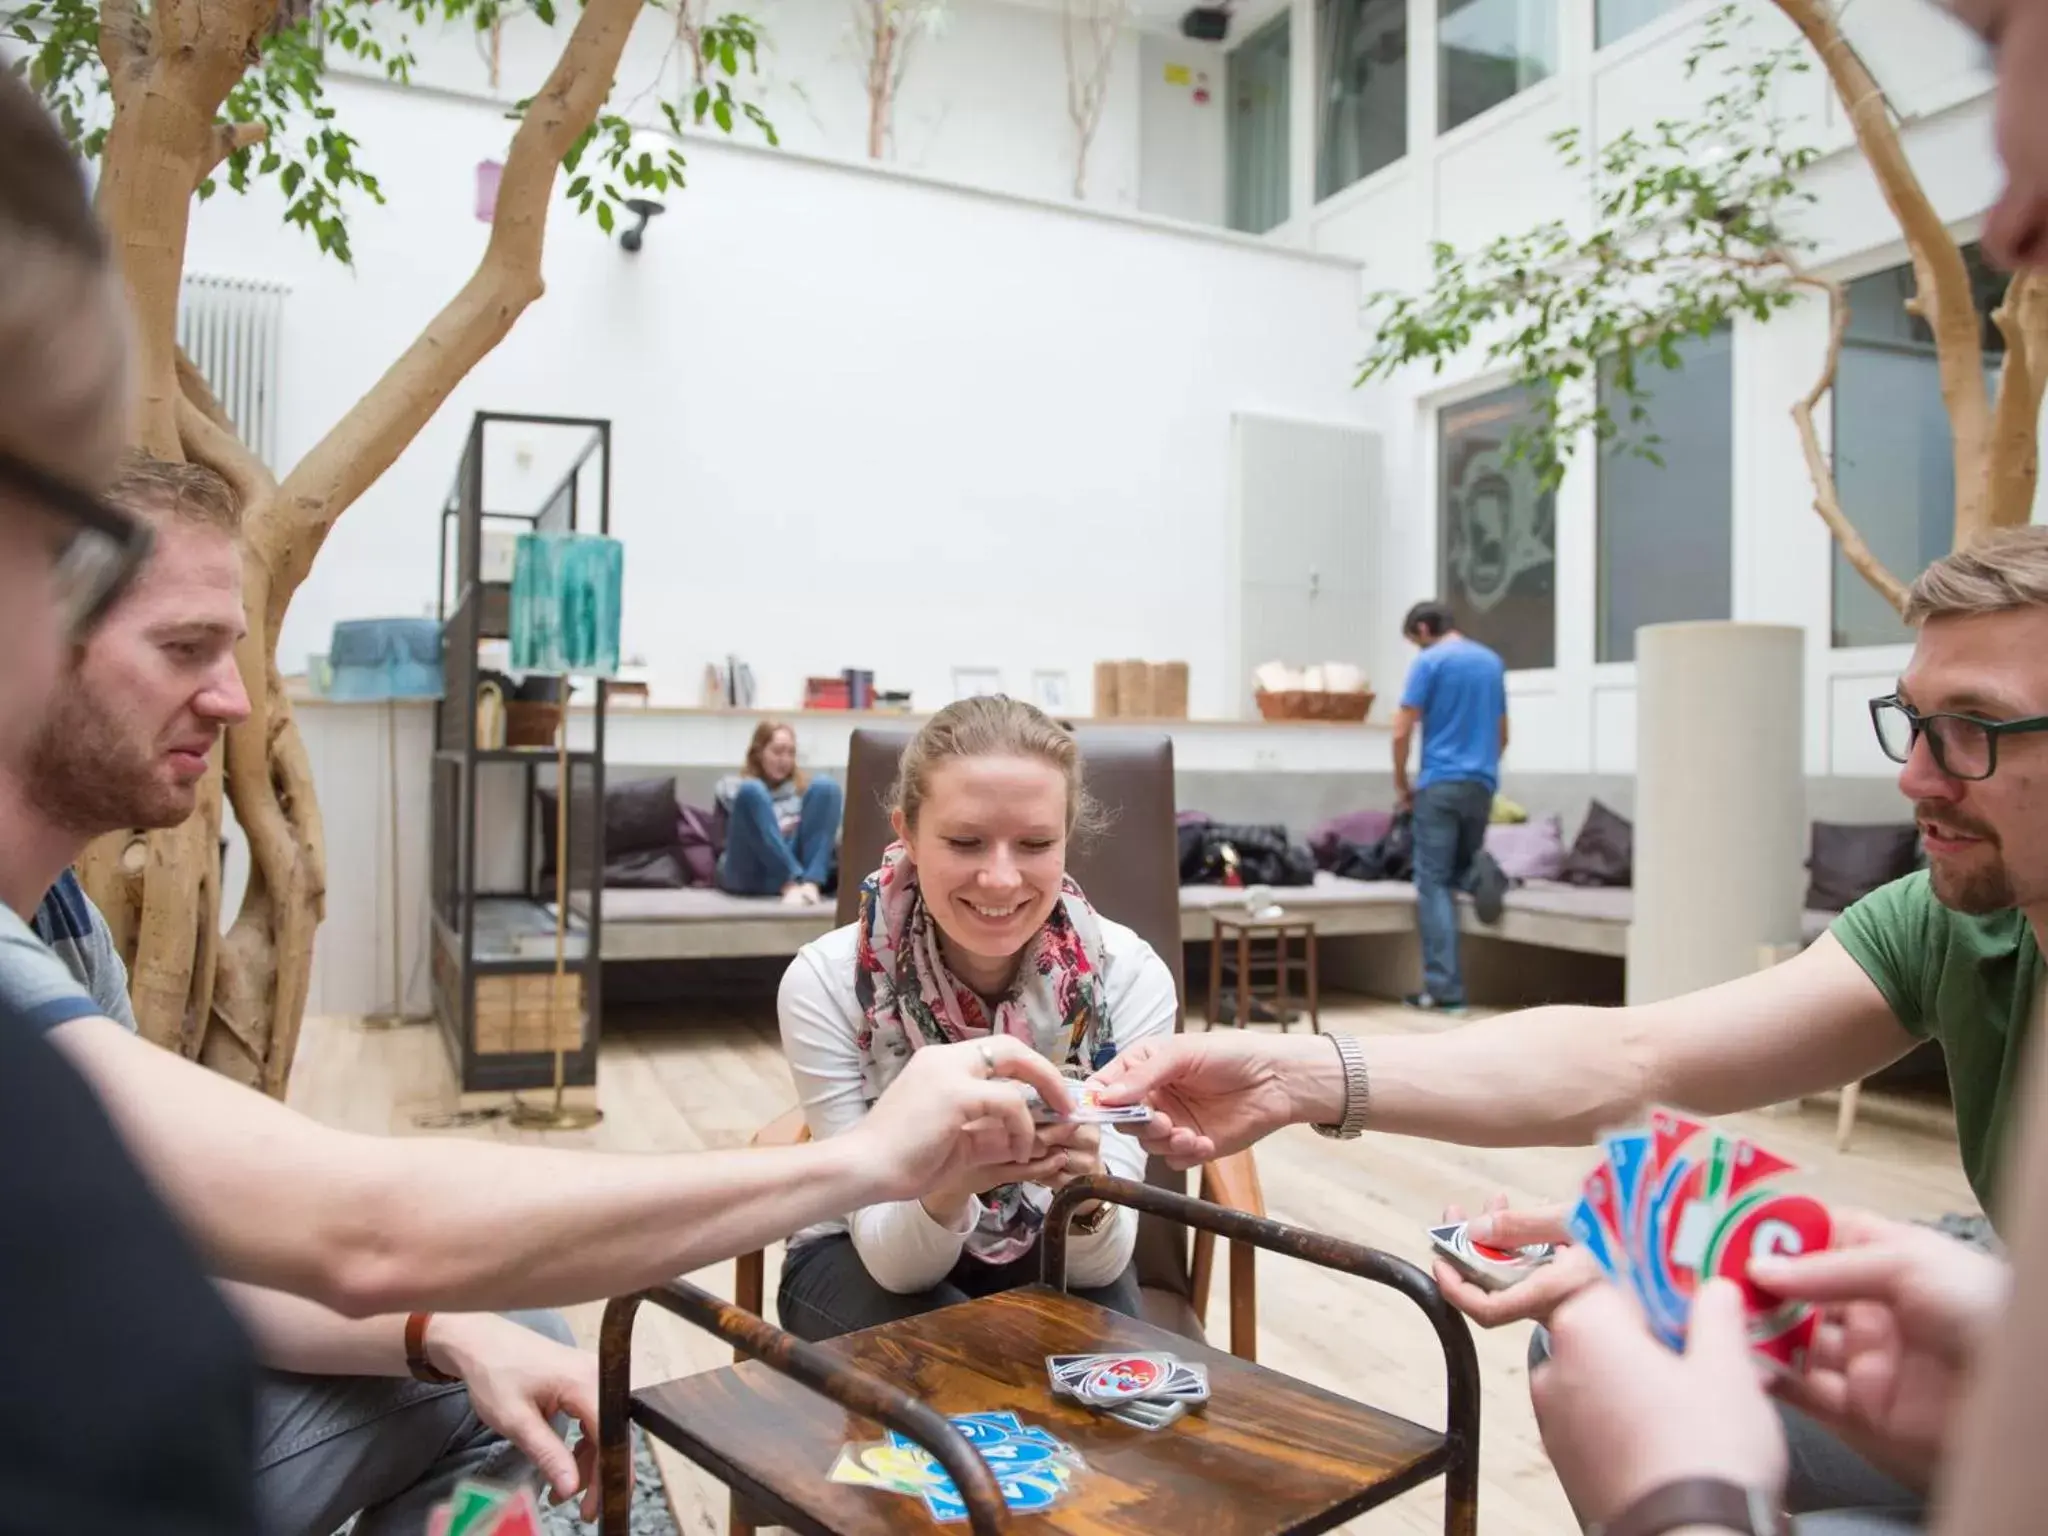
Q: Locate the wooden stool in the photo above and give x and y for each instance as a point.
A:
(1247, 930)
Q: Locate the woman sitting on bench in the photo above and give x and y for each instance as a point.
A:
(970, 927)
(781, 825)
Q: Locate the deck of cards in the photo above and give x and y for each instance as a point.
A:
(1147, 1391)
(481, 1509)
(1677, 1204)
(1033, 1468)
(1491, 1269)
(1086, 1110)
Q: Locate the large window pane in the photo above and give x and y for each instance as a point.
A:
(1665, 532)
(1362, 116)
(1497, 533)
(1257, 82)
(1488, 50)
(1894, 455)
(1615, 19)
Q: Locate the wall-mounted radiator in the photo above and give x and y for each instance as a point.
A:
(232, 328)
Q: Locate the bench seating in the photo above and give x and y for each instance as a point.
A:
(697, 924)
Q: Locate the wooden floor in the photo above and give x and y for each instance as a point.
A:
(686, 1078)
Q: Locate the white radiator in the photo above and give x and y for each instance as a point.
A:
(230, 327)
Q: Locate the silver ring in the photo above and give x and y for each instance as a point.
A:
(988, 1058)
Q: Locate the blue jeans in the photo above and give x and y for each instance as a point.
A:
(759, 861)
(1450, 829)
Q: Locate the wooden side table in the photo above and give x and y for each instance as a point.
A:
(1268, 1456)
(1245, 930)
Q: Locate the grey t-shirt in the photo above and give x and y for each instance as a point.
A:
(35, 987)
(71, 925)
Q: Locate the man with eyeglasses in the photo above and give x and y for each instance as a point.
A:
(1952, 954)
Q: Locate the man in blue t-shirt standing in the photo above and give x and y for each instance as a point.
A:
(1457, 690)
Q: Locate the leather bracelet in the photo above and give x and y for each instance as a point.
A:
(416, 1359)
(1711, 1502)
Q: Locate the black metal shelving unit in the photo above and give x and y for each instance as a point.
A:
(494, 937)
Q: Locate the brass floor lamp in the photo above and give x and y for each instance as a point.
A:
(565, 621)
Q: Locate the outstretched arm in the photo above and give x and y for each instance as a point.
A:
(1550, 1076)
(368, 1224)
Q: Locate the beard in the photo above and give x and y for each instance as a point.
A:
(1977, 884)
(87, 774)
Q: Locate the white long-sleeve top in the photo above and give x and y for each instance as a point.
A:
(902, 1247)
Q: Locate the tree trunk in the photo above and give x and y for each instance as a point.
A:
(236, 1001)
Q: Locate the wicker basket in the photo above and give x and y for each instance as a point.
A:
(1302, 704)
(531, 724)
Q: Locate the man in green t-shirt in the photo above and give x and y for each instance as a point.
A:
(1952, 954)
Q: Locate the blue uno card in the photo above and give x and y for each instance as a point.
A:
(1664, 1306)
(1591, 1234)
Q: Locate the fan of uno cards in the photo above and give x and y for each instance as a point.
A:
(1679, 1203)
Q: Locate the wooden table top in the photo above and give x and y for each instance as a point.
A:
(1268, 1456)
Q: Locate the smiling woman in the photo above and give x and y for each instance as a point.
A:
(970, 928)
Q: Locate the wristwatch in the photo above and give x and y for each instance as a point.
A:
(1088, 1223)
(1702, 1501)
(1357, 1089)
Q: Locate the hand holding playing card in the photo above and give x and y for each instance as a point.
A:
(1907, 1313)
(948, 1111)
(1532, 1297)
(1621, 1414)
(1081, 1146)
(1212, 1094)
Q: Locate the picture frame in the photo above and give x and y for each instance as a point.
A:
(976, 682)
(1050, 692)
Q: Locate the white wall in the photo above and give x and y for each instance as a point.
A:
(1497, 175)
(860, 418)
(983, 98)
(1180, 143)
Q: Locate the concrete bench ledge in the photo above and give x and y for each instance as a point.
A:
(696, 924)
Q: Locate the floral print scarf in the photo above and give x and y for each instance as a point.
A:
(1057, 1004)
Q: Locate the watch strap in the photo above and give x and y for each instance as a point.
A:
(1357, 1089)
(416, 1359)
(1700, 1501)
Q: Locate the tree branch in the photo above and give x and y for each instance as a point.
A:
(1944, 295)
(123, 42)
(363, 444)
(229, 137)
(1827, 499)
(2014, 468)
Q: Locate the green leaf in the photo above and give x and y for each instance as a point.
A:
(721, 110)
(604, 217)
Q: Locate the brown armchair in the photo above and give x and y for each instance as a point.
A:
(1131, 874)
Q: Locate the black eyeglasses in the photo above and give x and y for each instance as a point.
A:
(1964, 747)
(102, 551)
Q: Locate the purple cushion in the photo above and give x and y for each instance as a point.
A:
(1361, 827)
(1191, 819)
(697, 839)
(1529, 850)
